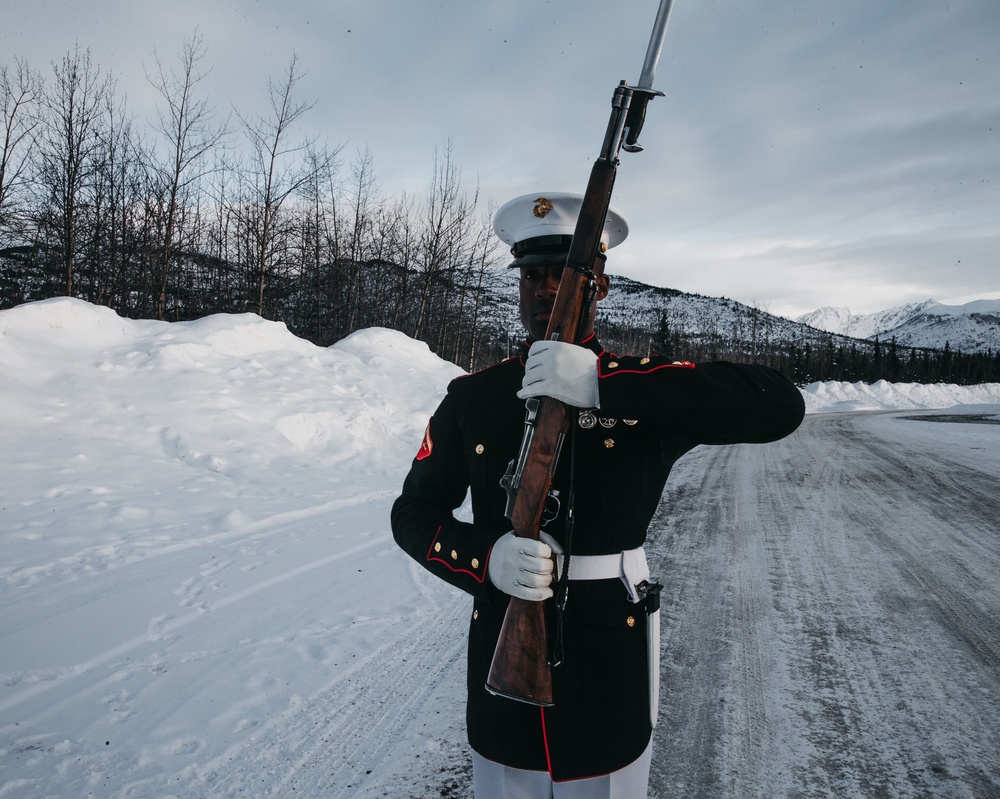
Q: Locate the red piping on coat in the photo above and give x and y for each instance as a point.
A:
(545, 741)
(678, 365)
(479, 578)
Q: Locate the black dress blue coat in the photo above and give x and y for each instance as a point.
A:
(651, 412)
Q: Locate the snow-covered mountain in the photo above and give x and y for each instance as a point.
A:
(635, 311)
(972, 327)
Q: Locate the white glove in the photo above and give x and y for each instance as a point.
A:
(524, 567)
(562, 371)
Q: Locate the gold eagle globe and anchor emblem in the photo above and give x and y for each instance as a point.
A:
(542, 206)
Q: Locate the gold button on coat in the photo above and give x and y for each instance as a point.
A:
(480, 449)
(475, 563)
(630, 621)
(609, 443)
(454, 555)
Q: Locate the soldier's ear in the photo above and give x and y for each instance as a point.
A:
(603, 287)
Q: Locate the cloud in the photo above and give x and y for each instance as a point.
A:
(802, 151)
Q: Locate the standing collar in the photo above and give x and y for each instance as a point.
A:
(591, 343)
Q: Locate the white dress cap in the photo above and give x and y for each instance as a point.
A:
(546, 221)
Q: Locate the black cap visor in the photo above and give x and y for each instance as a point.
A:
(542, 251)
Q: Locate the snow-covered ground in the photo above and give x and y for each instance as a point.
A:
(200, 593)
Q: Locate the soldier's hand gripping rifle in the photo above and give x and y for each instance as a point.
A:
(520, 668)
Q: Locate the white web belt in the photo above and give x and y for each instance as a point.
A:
(629, 566)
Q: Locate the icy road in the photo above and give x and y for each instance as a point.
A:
(833, 613)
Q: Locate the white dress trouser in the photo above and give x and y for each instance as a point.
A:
(493, 781)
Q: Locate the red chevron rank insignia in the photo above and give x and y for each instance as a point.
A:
(426, 446)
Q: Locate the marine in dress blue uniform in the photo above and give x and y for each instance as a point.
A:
(649, 411)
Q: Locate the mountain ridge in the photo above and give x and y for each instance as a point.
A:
(971, 327)
(633, 305)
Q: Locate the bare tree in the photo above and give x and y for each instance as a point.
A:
(364, 199)
(385, 272)
(313, 231)
(68, 145)
(483, 260)
(189, 129)
(446, 221)
(407, 246)
(116, 187)
(20, 96)
(272, 178)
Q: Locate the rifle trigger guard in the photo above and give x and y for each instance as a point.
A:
(552, 507)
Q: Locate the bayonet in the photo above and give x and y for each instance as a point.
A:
(643, 91)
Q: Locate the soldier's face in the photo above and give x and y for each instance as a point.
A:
(538, 286)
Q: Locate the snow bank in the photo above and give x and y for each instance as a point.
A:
(201, 390)
(882, 396)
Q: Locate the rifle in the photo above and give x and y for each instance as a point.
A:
(521, 668)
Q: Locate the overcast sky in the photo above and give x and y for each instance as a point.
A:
(806, 153)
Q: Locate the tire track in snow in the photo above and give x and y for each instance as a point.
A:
(749, 629)
(966, 517)
(117, 657)
(687, 554)
(831, 618)
(343, 740)
(133, 549)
